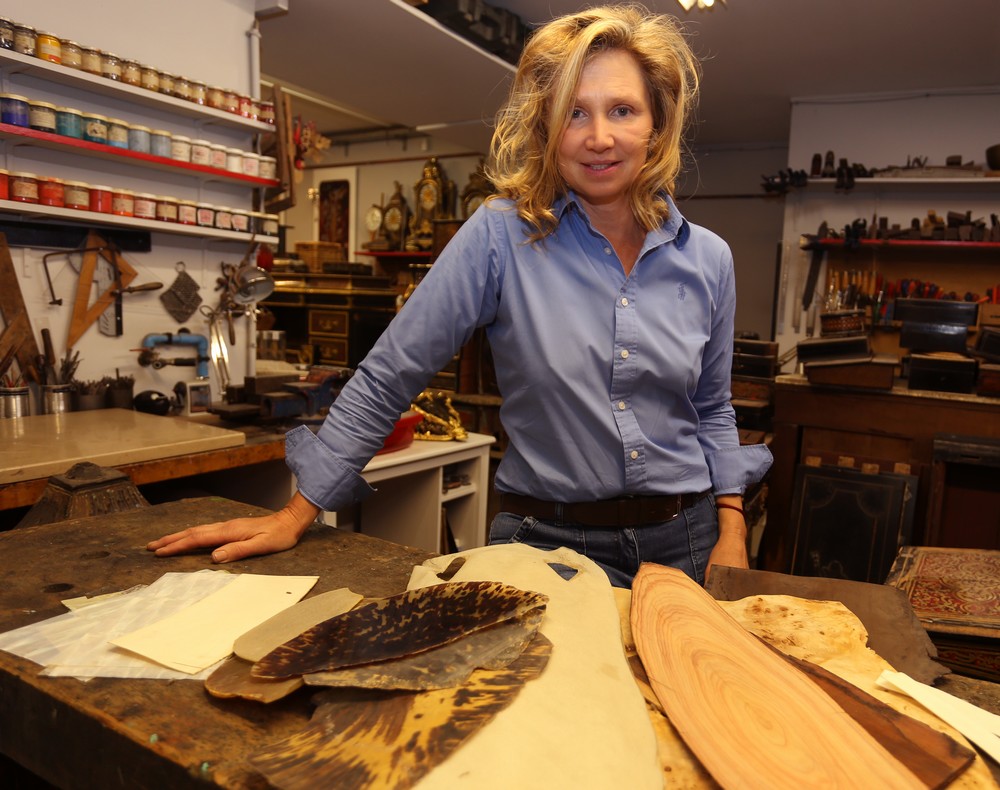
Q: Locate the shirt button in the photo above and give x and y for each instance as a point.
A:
(621, 405)
(624, 301)
(634, 454)
(624, 353)
(607, 250)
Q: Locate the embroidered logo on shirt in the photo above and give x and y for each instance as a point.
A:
(681, 292)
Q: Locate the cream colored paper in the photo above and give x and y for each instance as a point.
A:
(204, 633)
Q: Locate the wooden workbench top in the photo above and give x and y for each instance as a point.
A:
(152, 733)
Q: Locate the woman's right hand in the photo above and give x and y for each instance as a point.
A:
(243, 537)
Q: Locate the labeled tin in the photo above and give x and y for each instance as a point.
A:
(230, 101)
(6, 33)
(72, 54)
(143, 205)
(48, 47)
(268, 167)
(123, 203)
(101, 199)
(266, 112)
(224, 218)
(199, 92)
(180, 148)
(4, 184)
(240, 220)
(251, 164)
(160, 143)
(214, 97)
(76, 195)
(149, 78)
(182, 88)
(51, 192)
(218, 159)
(254, 109)
(234, 160)
(111, 66)
(14, 109)
(69, 122)
(131, 72)
(24, 187)
(187, 212)
(205, 215)
(166, 209)
(42, 116)
(91, 60)
(201, 152)
(95, 128)
(24, 39)
(269, 226)
(139, 138)
(167, 83)
(244, 105)
(117, 133)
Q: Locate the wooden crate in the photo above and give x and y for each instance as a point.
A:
(315, 253)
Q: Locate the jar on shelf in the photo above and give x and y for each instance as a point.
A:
(76, 195)
(182, 88)
(199, 92)
(111, 66)
(48, 47)
(14, 109)
(131, 73)
(251, 164)
(244, 105)
(269, 225)
(218, 160)
(69, 122)
(167, 83)
(24, 39)
(160, 143)
(95, 128)
(101, 198)
(166, 208)
(206, 215)
(123, 202)
(234, 160)
(139, 138)
(223, 218)
(187, 212)
(201, 152)
(268, 167)
(6, 33)
(240, 220)
(91, 60)
(42, 116)
(230, 101)
(4, 179)
(24, 187)
(117, 133)
(71, 54)
(180, 148)
(149, 78)
(51, 192)
(254, 109)
(214, 97)
(266, 112)
(143, 205)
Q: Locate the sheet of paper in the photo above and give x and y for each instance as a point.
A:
(203, 634)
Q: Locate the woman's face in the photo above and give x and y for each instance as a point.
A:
(605, 142)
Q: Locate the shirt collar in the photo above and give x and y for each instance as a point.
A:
(675, 229)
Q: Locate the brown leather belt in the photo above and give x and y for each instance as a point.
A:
(626, 511)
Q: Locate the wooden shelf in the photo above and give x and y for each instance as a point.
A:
(15, 63)
(812, 241)
(902, 184)
(24, 136)
(395, 254)
(97, 218)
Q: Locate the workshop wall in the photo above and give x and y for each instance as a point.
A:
(203, 41)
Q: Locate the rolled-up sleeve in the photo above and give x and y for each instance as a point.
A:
(321, 475)
(732, 469)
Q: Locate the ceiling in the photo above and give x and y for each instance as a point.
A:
(381, 65)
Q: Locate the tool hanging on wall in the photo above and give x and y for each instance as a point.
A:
(181, 299)
(108, 273)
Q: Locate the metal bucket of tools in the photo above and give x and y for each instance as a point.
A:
(57, 398)
(15, 402)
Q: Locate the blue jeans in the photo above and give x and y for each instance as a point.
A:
(684, 542)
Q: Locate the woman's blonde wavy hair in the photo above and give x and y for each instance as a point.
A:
(525, 147)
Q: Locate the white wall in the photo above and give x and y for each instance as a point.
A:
(206, 41)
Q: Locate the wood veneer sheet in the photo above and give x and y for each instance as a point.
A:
(750, 718)
(204, 633)
(583, 722)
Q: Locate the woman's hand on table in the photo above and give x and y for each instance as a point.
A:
(242, 537)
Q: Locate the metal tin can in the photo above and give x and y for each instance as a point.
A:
(180, 148)
(143, 205)
(244, 105)
(218, 156)
(201, 152)
(51, 192)
(101, 198)
(224, 218)
(214, 97)
(14, 109)
(160, 143)
(69, 122)
(167, 83)
(48, 47)
(117, 133)
(266, 112)
(139, 138)
(42, 116)
(234, 160)
(230, 101)
(91, 61)
(24, 187)
(149, 78)
(6, 33)
(268, 167)
(269, 227)
(111, 66)
(24, 39)
(77, 195)
(254, 109)
(251, 164)
(72, 54)
(131, 72)
(205, 215)
(182, 88)
(166, 208)
(199, 92)
(123, 203)
(187, 212)
(95, 128)
(241, 220)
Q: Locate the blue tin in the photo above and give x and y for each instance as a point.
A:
(14, 109)
(95, 128)
(160, 143)
(139, 139)
(117, 133)
(69, 122)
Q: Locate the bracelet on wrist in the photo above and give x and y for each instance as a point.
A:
(737, 508)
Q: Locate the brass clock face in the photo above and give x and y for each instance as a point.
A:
(393, 219)
(373, 218)
(428, 196)
(474, 202)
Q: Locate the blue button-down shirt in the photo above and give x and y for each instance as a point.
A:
(611, 385)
